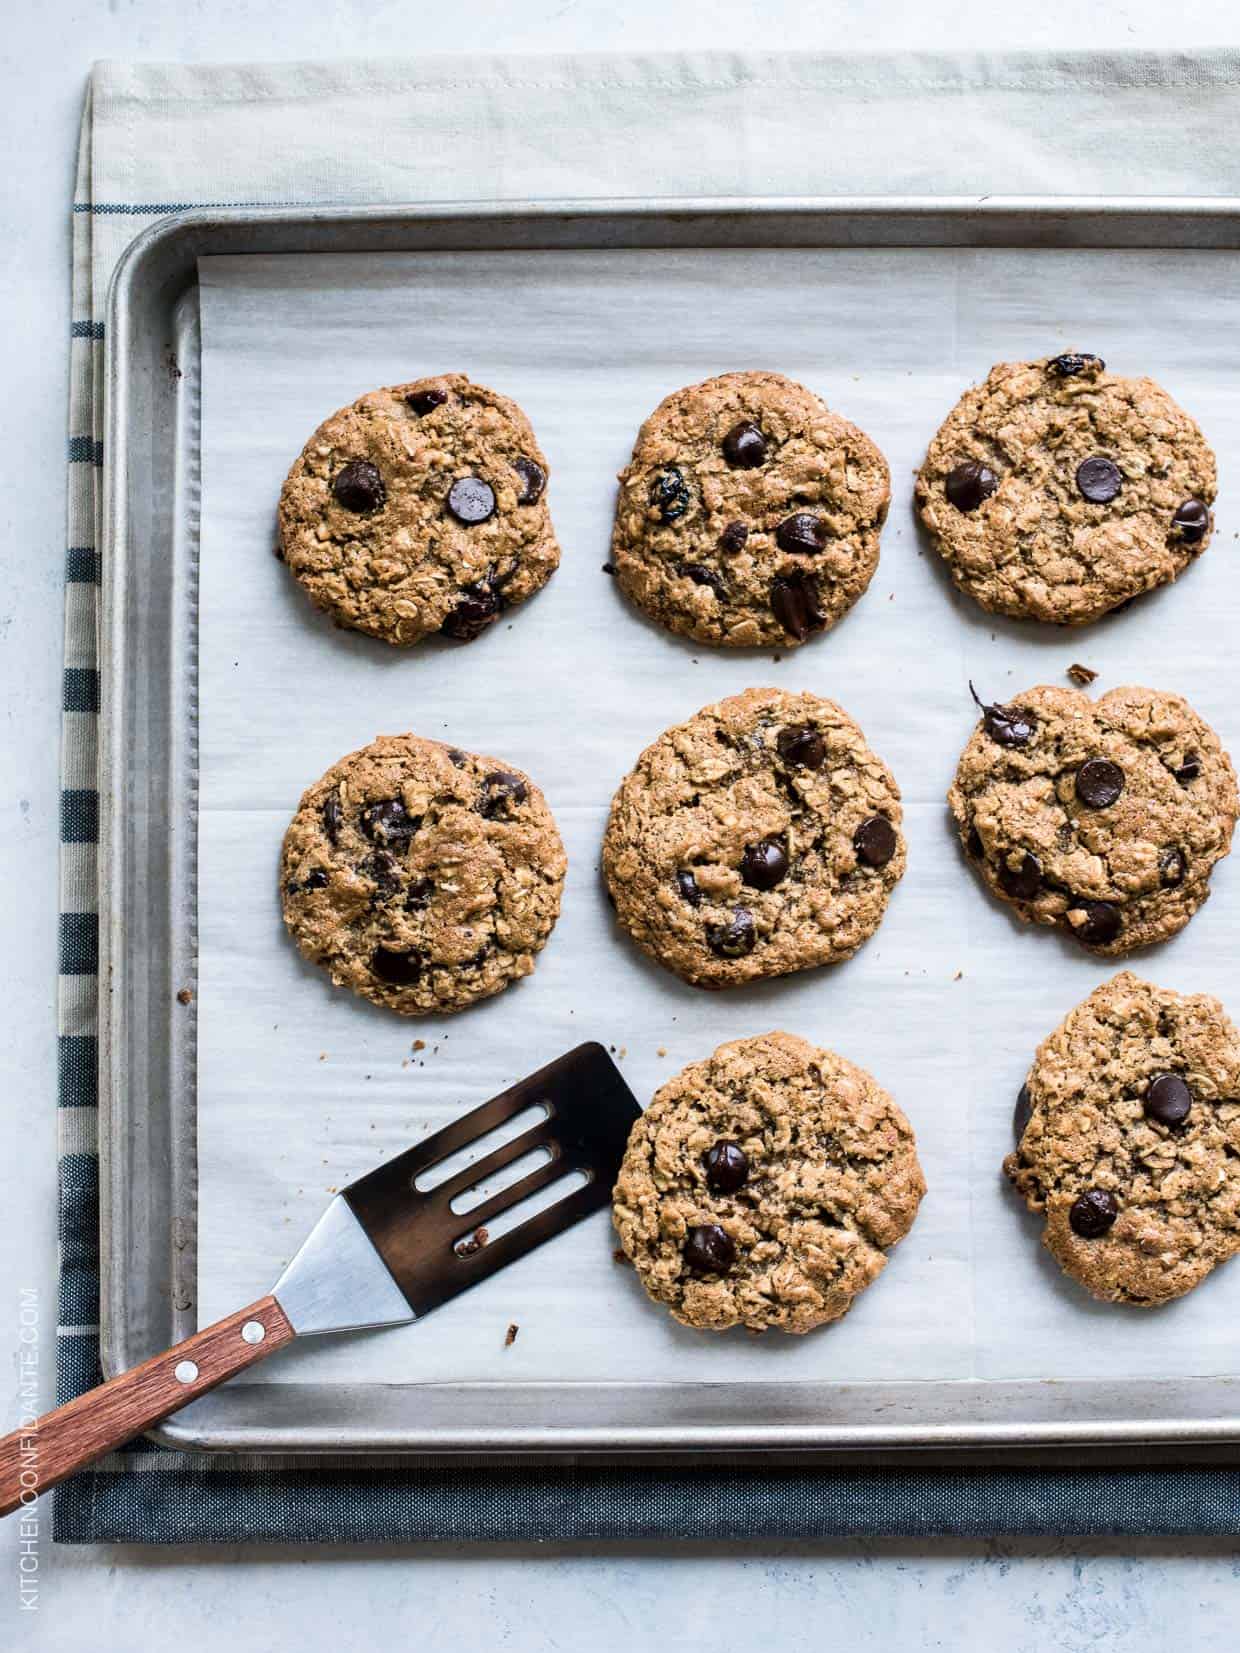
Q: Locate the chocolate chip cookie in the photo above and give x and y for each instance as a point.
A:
(1129, 1141)
(422, 877)
(1103, 818)
(763, 1187)
(749, 513)
(421, 508)
(760, 837)
(1058, 491)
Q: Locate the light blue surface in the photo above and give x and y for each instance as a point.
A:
(860, 1594)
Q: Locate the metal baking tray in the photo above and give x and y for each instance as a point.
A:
(148, 896)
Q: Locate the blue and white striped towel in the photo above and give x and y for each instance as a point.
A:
(162, 138)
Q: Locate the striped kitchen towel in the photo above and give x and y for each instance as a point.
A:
(166, 138)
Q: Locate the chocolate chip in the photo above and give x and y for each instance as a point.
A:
(1093, 1212)
(419, 896)
(1099, 783)
(687, 884)
(1101, 922)
(744, 447)
(1189, 769)
(1070, 365)
(802, 747)
(457, 759)
(701, 575)
(1098, 480)
(359, 487)
(333, 819)
(389, 822)
(709, 1249)
(471, 500)
(875, 841)
(734, 537)
(315, 879)
(610, 568)
(1023, 882)
(974, 845)
(802, 533)
(1023, 1113)
(478, 608)
(969, 484)
(1172, 867)
(734, 939)
(1168, 1100)
(1191, 521)
(669, 494)
(765, 864)
(501, 793)
(1006, 725)
(422, 401)
(383, 870)
(533, 480)
(398, 969)
(726, 1166)
(796, 604)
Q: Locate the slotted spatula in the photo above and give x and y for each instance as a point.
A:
(383, 1252)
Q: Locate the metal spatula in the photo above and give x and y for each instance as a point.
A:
(385, 1251)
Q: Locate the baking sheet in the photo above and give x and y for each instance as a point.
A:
(302, 1087)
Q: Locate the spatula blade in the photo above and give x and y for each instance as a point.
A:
(386, 1251)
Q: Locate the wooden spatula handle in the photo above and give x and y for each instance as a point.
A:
(33, 1459)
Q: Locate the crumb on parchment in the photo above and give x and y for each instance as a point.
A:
(472, 1243)
(510, 1336)
(1084, 675)
(185, 996)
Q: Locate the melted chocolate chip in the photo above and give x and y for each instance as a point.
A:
(1070, 365)
(744, 447)
(1102, 921)
(687, 884)
(1098, 480)
(709, 1249)
(1093, 1213)
(734, 537)
(419, 896)
(382, 869)
(669, 494)
(802, 534)
(803, 747)
(970, 485)
(765, 863)
(1168, 1100)
(1172, 867)
(533, 480)
(471, 500)
(734, 939)
(796, 604)
(1023, 1113)
(501, 793)
(701, 575)
(359, 487)
(333, 819)
(423, 401)
(456, 759)
(1189, 769)
(875, 841)
(1191, 521)
(397, 969)
(315, 879)
(1006, 725)
(1099, 783)
(1022, 882)
(389, 822)
(726, 1166)
(478, 608)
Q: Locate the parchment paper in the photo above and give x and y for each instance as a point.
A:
(303, 1087)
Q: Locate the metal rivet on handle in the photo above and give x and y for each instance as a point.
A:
(253, 1331)
(186, 1371)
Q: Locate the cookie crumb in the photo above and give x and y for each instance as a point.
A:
(1082, 675)
(662, 1050)
(419, 1044)
(322, 1056)
(623, 1052)
(958, 975)
(472, 1243)
(510, 1336)
(185, 996)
